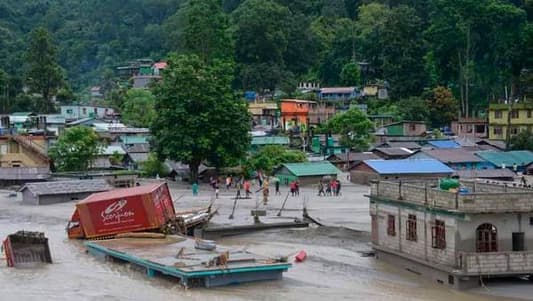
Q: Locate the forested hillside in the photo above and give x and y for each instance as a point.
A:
(474, 47)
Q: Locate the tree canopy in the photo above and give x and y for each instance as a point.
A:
(199, 117)
(354, 127)
(272, 156)
(76, 149)
(138, 108)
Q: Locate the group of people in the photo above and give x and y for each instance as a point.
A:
(239, 184)
(295, 188)
(329, 188)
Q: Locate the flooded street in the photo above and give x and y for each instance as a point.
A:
(334, 268)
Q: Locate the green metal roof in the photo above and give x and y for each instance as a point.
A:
(509, 158)
(320, 168)
(270, 140)
(134, 139)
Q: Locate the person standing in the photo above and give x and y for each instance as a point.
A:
(338, 187)
(321, 189)
(217, 190)
(293, 188)
(334, 187)
(277, 188)
(195, 189)
(328, 189)
(297, 187)
(247, 188)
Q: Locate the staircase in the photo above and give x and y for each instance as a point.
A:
(28, 144)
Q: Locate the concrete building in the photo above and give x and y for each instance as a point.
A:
(62, 191)
(500, 122)
(453, 238)
(339, 93)
(406, 169)
(405, 128)
(346, 160)
(265, 114)
(470, 127)
(75, 112)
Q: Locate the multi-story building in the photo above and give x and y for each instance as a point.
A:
(75, 112)
(521, 119)
(470, 127)
(453, 238)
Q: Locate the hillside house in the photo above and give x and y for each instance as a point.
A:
(295, 114)
(470, 127)
(338, 94)
(405, 128)
(75, 112)
(264, 113)
(454, 239)
(346, 160)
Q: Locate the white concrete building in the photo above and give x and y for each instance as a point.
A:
(456, 239)
(75, 112)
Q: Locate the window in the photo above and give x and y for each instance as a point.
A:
(95, 110)
(531, 220)
(84, 111)
(480, 128)
(411, 227)
(391, 227)
(486, 238)
(412, 127)
(515, 114)
(515, 131)
(438, 235)
(497, 130)
(498, 114)
(69, 111)
(528, 113)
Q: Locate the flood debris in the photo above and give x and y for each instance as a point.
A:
(142, 208)
(24, 247)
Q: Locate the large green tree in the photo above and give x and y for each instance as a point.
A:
(443, 107)
(76, 149)
(354, 127)
(138, 108)
(413, 109)
(44, 75)
(199, 117)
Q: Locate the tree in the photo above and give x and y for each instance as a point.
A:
(350, 75)
(138, 108)
(272, 156)
(355, 128)
(413, 109)
(261, 39)
(522, 141)
(153, 167)
(199, 117)
(204, 30)
(76, 149)
(44, 75)
(443, 107)
(403, 52)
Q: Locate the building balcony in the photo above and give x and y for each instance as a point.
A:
(478, 197)
(496, 263)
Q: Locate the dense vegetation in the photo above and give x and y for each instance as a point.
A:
(474, 47)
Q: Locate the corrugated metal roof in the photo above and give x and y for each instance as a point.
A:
(394, 151)
(485, 173)
(265, 140)
(452, 155)
(337, 90)
(521, 158)
(138, 148)
(64, 187)
(24, 173)
(408, 166)
(134, 139)
(444, 144)
(312, 168)
(353, 156)
(138, 157)
(405, 144)
(111, 149)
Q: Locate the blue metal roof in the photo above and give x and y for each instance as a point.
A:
(444, 144)
(408, 166)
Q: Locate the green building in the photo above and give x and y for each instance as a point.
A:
(307, 173)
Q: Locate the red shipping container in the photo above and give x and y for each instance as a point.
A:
(140, 208)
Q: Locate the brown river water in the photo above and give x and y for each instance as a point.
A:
(334, 269)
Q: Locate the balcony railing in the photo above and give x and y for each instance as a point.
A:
(480, 198)
(494, 263)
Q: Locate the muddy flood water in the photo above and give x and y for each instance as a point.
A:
(334, 269)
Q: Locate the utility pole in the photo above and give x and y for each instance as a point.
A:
(508, 130)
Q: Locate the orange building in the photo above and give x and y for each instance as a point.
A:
(295, 113)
